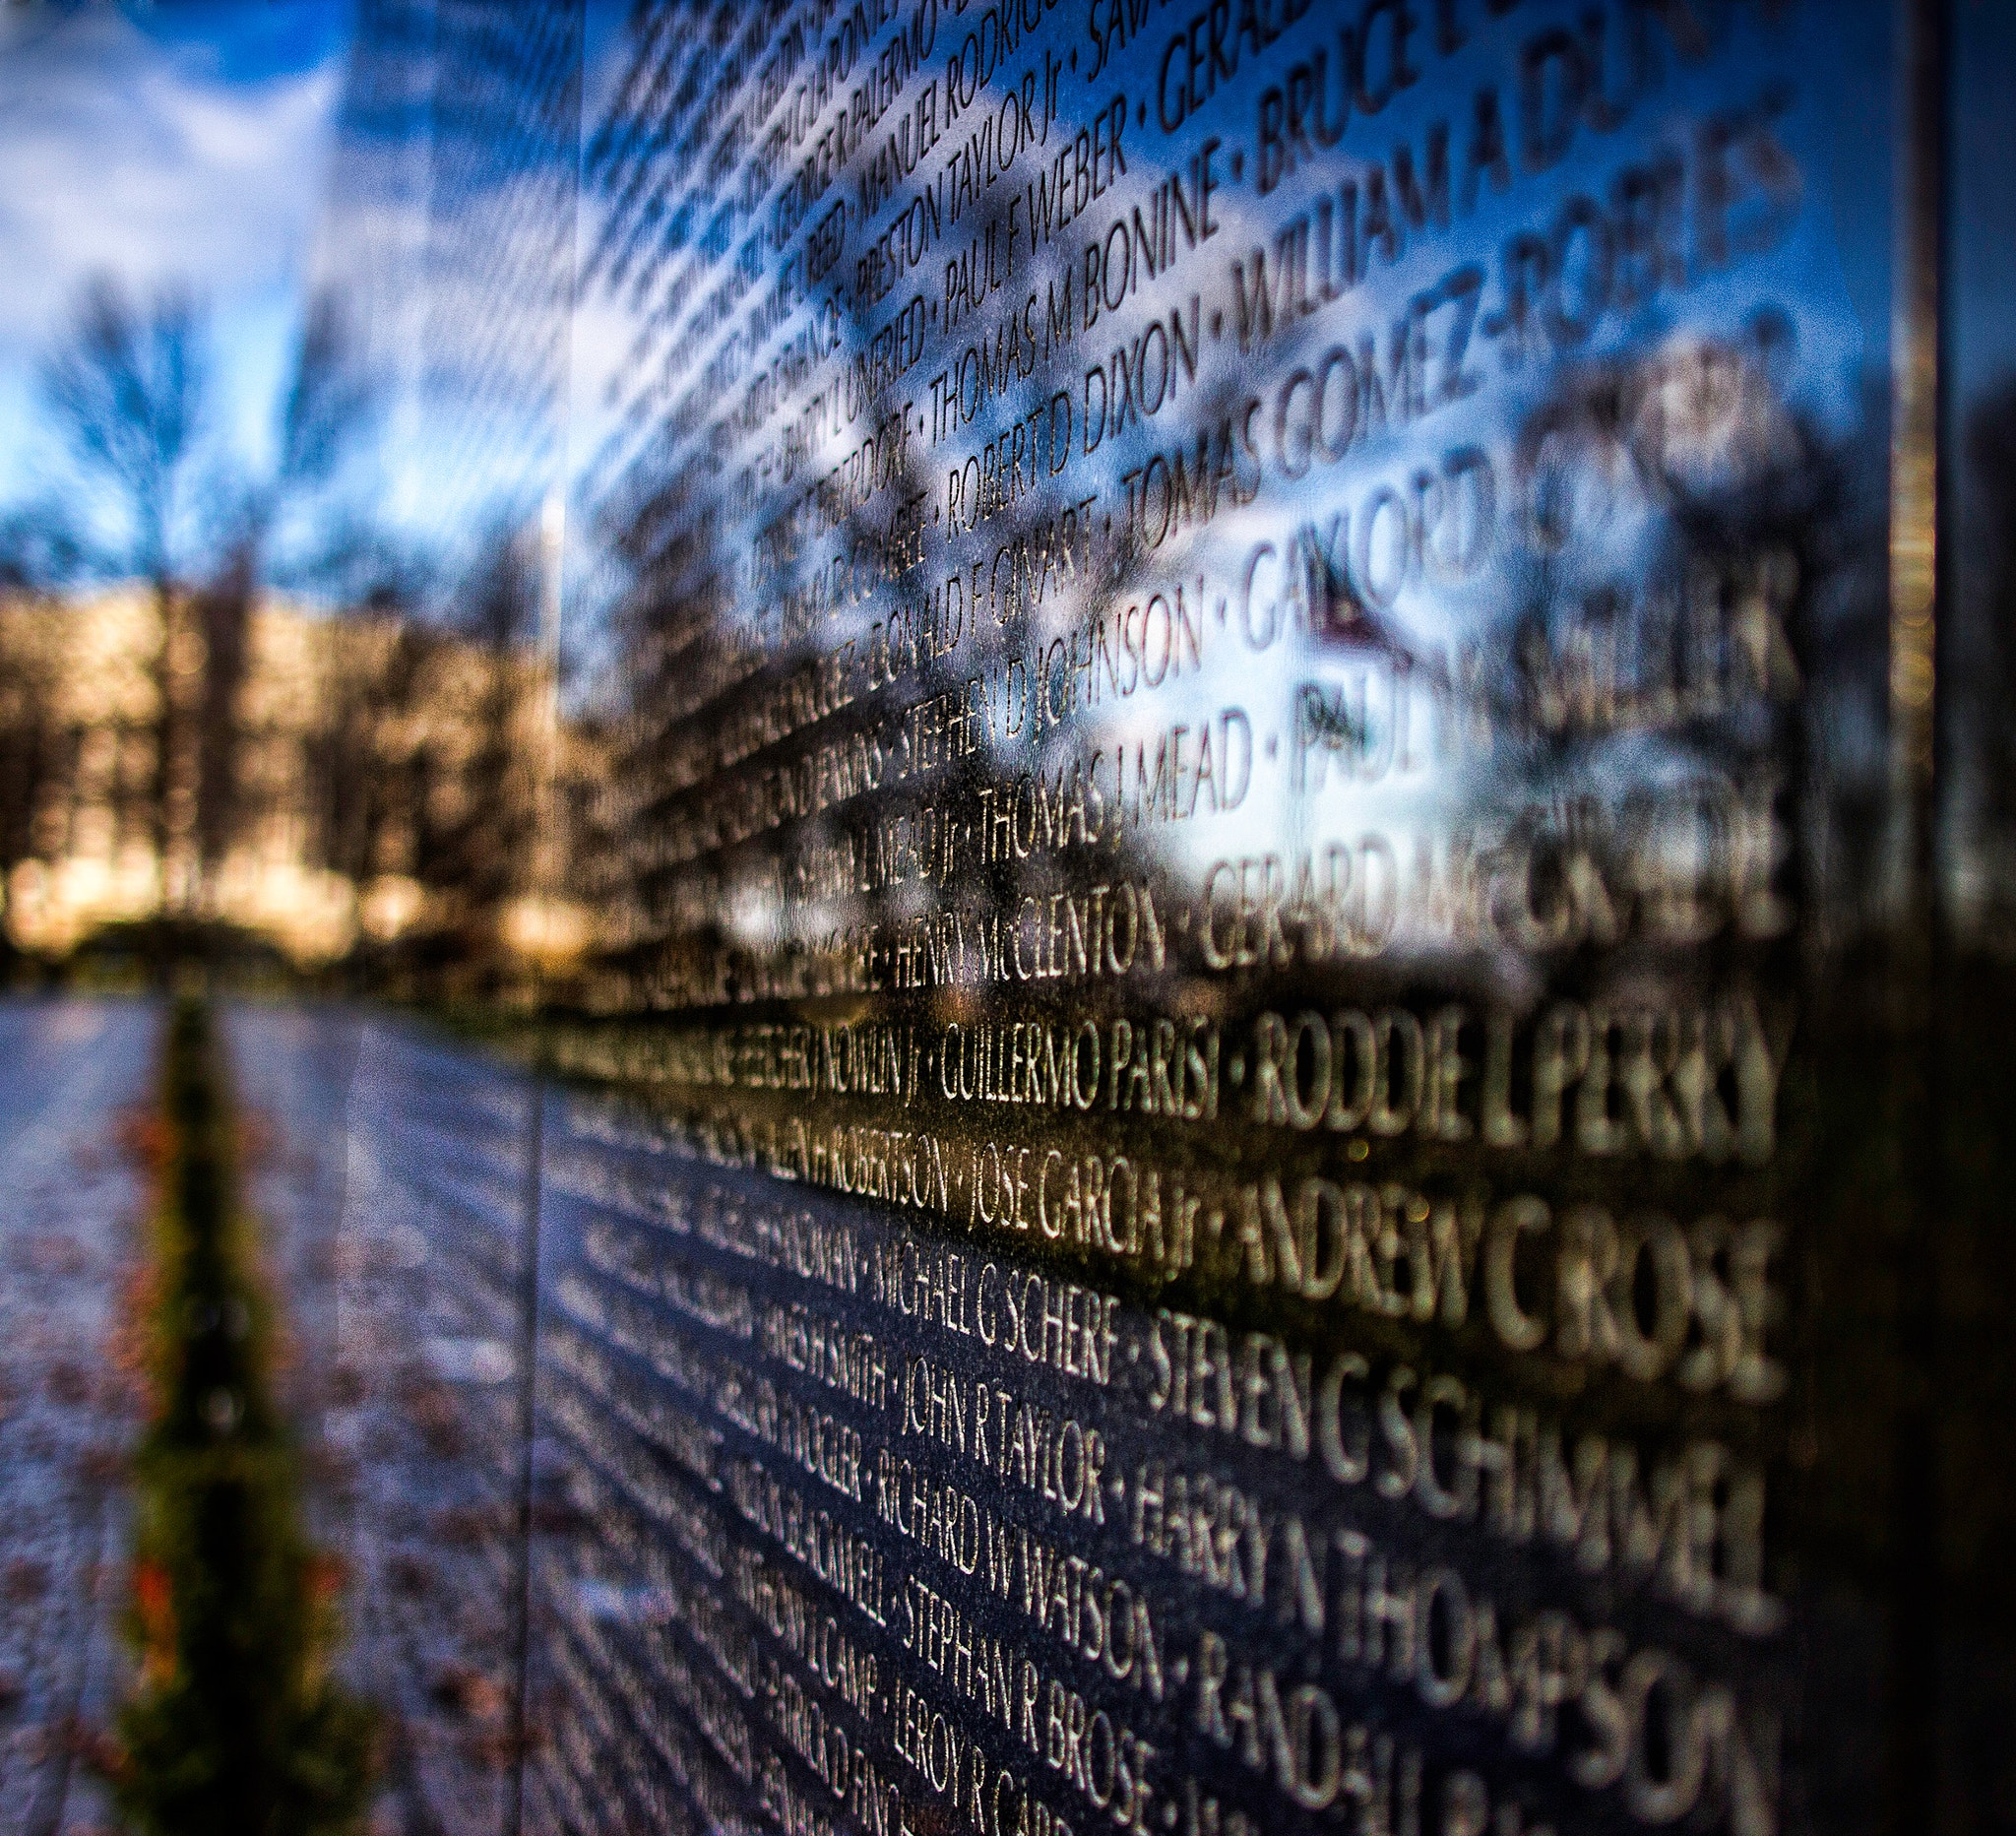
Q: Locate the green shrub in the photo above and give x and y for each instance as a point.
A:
(236, 1724)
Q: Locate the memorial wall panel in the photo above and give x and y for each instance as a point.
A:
(1257, 1131)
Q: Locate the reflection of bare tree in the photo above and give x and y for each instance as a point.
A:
(1984, 688)
(1659, 679)
(479, 848)
(423, 782)
(1685, 617)
(328, 403)
(731, 590)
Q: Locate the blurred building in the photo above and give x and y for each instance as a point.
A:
(327, 784)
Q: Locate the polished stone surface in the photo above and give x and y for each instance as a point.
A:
(1287, 1109)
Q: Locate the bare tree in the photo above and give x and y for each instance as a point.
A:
(418, 769)
(39, 552)
(126, 384)
(327, 404)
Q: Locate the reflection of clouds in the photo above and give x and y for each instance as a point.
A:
(124, 155)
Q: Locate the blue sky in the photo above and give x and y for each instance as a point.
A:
(179, 140)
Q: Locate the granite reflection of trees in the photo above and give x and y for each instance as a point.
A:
(355, 798)
(424, 783)
(437, 767)
(1721, 464)
(475, 825)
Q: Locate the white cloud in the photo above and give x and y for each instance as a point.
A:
(124, 153)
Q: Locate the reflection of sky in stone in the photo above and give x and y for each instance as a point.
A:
(1839, 334)
(1828, 274)
(448, 241)
(179, 142)
(1983, 207)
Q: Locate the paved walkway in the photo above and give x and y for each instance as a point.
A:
(71, 1074)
